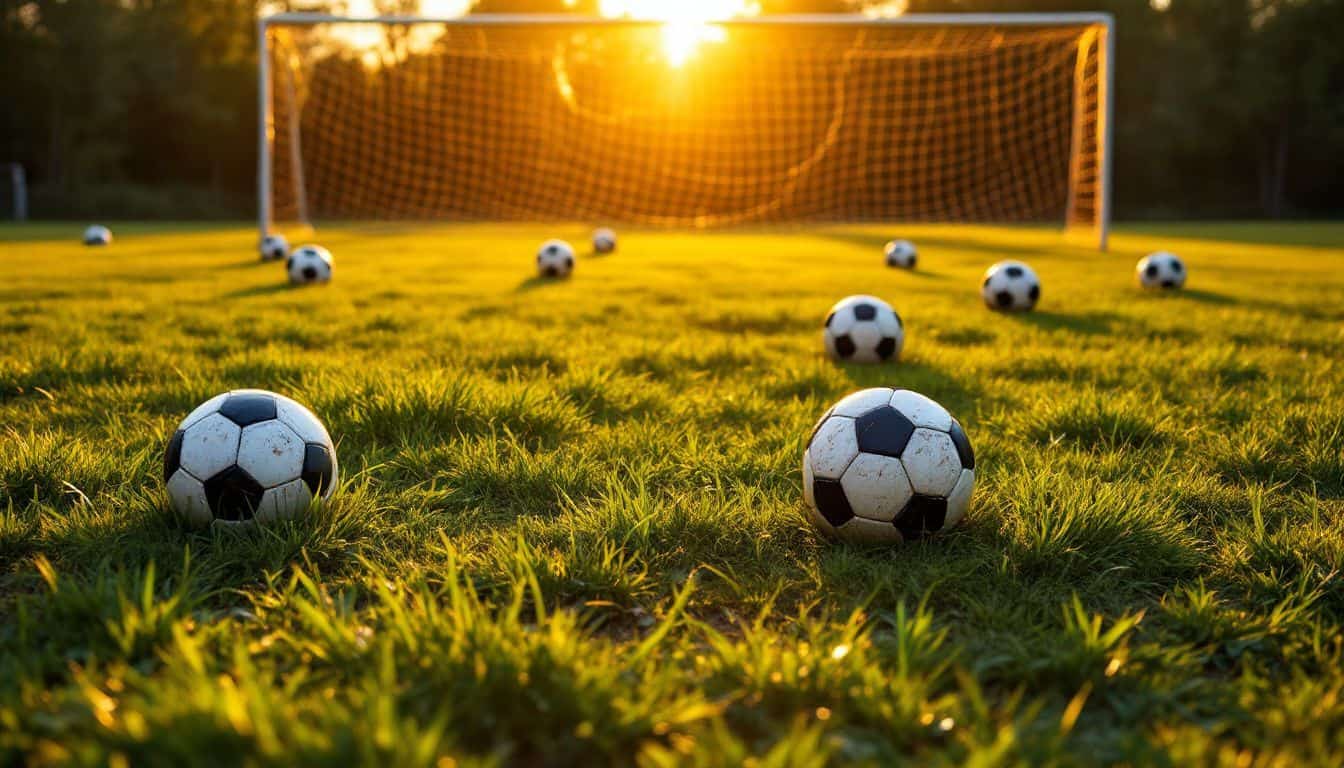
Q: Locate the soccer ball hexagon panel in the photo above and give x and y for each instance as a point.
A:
(901, 254)
(863, 329)
(604, 241)
(248, 455)
(1161, 270)
(555, 258)
(886, 466)
(1011, 286)
(274, 248)
(309, 264)
(97, 235)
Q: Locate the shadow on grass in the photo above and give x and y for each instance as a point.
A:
(258, 290)
(1207, 297)
(1087, 323)
(537, 282)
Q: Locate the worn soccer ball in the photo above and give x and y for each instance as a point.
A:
(864, 329)
(901, 254)
(97, 235)
(886, 466)
(604, 241)
(1161, 270)
(555, 259)
(309, 264)
(1011, 286)
(248, 455)
(274, 248)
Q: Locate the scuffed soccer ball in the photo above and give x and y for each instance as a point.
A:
(864, 329)
(555, 259)
(886, 466)
(249, 455)
(1161, 270)
(309, 264)
(97, 235)
(1011, 286)
(274, 248)
(901, 254)
(604, 241)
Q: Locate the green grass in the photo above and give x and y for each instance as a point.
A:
(571, 529)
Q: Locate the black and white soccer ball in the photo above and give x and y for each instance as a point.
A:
(1011, 286)
(97, 235)
(249, 455)
(901, 254)
(555, 259)
(1161, 270)
(274, 248)
(886, 466)
(604, 241)
(309, 264)
(864, 329)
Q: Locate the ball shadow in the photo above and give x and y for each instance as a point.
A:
(258, 290)
(537, 281)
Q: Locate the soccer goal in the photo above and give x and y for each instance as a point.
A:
(966, 118)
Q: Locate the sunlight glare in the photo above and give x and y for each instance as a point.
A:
(687, 23)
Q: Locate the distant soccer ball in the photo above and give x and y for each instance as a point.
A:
(274, 248)
(555, 259)
(1161, 270)
(309, 264)
(604, 241)
(1011, 286)
(886, 466)
(97, 235)
(864, 329)
(901, 254)
(249, 455)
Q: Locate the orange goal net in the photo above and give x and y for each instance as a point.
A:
(759, 121)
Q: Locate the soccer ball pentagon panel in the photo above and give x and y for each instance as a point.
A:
(887, 466)
(1161, 270)
(248, 455)
(901, 254)
(604, 241)
(555, 259)
(274, 248)
(97, 235)
(863, 329)
(1011, 286)
(309, 264)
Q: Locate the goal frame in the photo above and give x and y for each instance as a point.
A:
(1106, 76)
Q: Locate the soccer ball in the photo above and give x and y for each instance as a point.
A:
(97, 235)
(309, 264)
(886, 466)
(864, 329)
(555, 259)
(1011, 286)
(901, 254)
(274, 248)
(248, 455)
(1161, 270)
(604, 241)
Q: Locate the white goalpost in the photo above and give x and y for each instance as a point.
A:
(957, 118)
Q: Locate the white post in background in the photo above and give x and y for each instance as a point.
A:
(263, 128)
(1105, 132)
(18, 184)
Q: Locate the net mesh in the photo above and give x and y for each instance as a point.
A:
(616, 123)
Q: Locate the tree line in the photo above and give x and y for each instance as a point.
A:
(147, 108)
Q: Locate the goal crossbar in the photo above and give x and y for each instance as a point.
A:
(1091, 149)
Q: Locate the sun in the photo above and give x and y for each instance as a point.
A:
(687, 24)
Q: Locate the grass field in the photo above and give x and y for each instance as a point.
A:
(571, 529)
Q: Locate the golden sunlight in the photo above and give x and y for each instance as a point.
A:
(687, 23)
